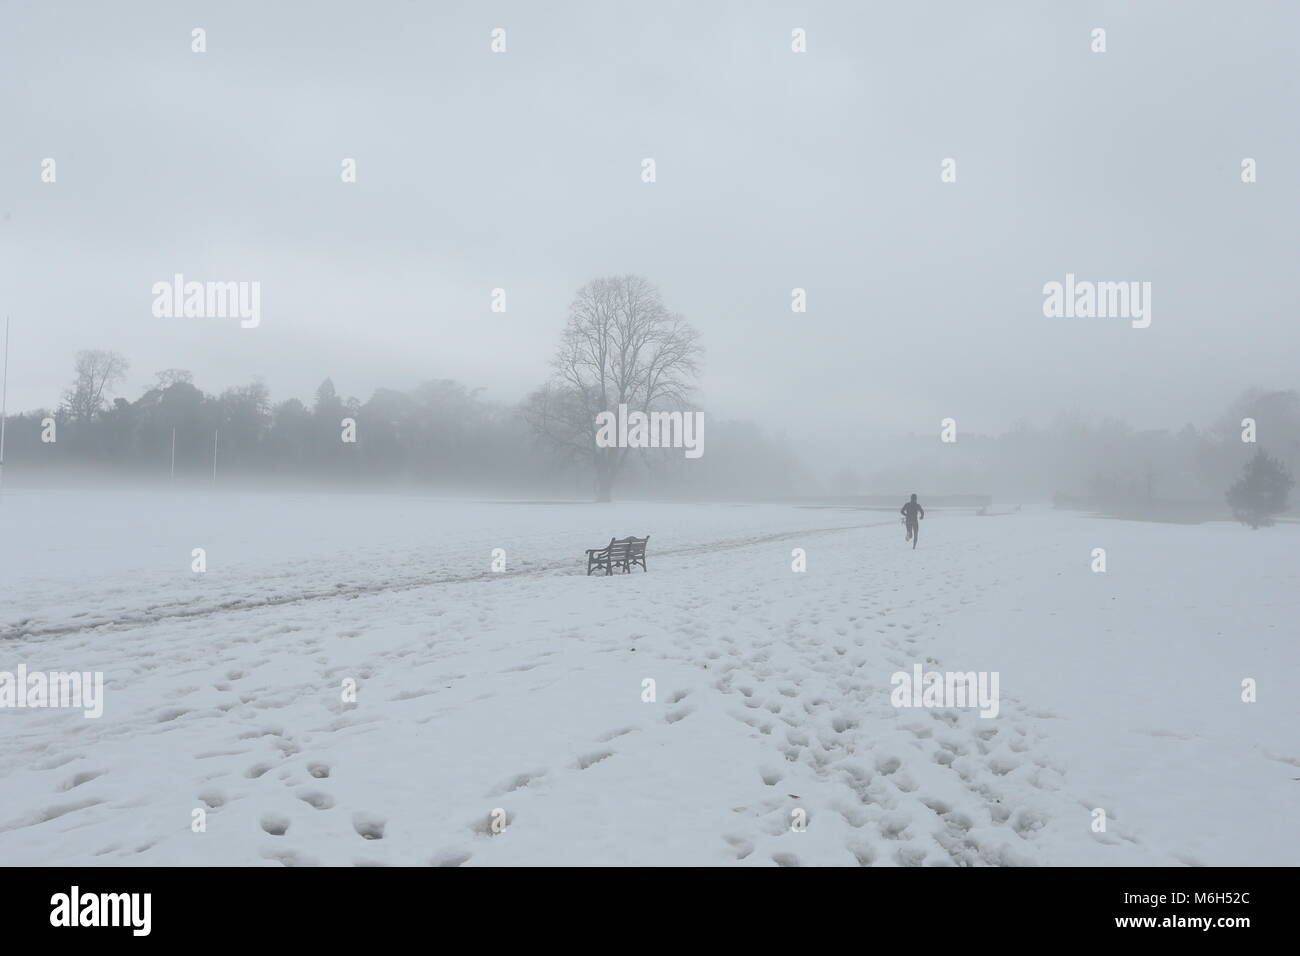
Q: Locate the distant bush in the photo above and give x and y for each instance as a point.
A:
(1260, 492)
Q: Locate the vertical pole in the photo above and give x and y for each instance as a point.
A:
(4, 405)
(173, 454)
(215, 433)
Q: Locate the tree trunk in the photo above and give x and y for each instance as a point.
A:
(606, 469)
(604, 482)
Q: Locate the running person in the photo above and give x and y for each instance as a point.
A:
(912, 512)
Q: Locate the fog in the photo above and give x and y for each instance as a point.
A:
(774, 171)
(713, 432)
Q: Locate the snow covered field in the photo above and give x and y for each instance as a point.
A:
(522, 690)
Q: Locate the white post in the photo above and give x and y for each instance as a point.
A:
(173, 454)
(215, 433)
(4, 406)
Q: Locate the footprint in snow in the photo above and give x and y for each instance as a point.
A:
(276, 824)
(369, 826)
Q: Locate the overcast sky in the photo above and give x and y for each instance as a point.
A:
(775, 170)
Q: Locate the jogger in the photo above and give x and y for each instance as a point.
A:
(912, 513)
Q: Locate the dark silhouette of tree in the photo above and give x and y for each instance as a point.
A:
(290, 440)
(170, 376)
(244, 419)
(621, 345)
(1261, 491)
(98, 372)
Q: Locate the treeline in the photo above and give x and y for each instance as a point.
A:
(440, 434)
(445, 435)
(1107, 462)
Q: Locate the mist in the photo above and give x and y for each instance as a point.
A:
(522, 171)
(596, 433)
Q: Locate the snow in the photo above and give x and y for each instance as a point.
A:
(521, 691)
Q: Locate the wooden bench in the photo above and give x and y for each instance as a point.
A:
(619, 553)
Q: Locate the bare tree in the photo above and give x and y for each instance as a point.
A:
(97, 373)
(621, 345)
(171, 376)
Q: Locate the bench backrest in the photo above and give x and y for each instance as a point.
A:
(621, 549)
